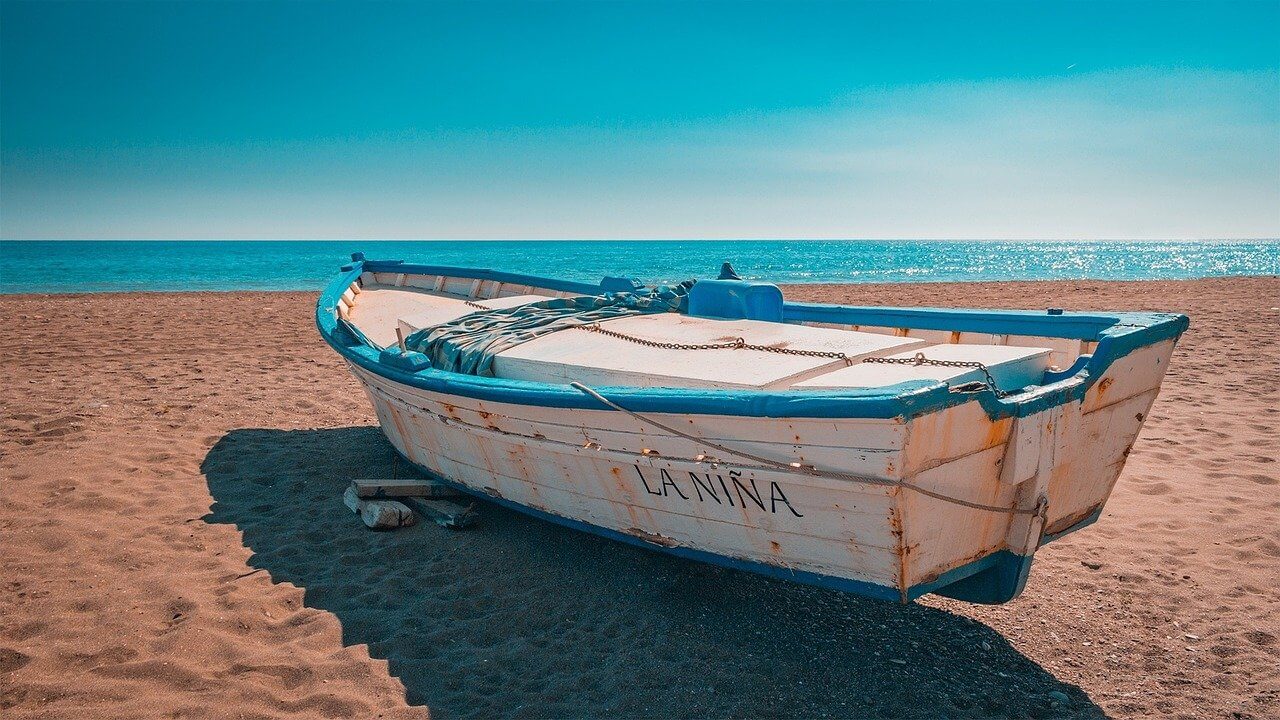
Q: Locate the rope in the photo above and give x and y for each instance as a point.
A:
(803, 469)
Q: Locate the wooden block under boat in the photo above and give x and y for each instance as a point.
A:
(402, 488)
(378, 514)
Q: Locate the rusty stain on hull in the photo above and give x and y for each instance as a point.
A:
(1104, 385)
(895, 527)
(651, 537)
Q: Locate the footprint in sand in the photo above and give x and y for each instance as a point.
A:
(177, 612)
(1260, 638)
(172, 674)
(1270, 548)
(288, 677)
(113, 655)
(11, 660)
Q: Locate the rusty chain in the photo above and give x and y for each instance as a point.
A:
(920, 359)
(741, 344)
(736, 344)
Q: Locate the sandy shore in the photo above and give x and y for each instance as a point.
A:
(173, 545)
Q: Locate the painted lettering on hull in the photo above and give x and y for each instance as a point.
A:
(722, 489)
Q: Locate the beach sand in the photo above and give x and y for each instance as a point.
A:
(174, 545)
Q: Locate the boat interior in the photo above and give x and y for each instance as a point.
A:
(388, 306)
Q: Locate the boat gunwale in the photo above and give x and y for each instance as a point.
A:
(1117, 335)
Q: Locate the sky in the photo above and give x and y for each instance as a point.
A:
(307, 120)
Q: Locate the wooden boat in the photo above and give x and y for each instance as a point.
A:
(891, 452)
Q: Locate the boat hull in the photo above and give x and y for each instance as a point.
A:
(613, 475)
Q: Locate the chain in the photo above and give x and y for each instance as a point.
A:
(736, 344)
(920, 359)
(741, 344)
(476, 305)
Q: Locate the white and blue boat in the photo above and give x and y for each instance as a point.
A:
(887, 451)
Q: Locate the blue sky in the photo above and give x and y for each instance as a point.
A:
(645, 120)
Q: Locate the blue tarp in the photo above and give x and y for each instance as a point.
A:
(469, 343)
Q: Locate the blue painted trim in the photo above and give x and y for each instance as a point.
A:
(1073, 325)
(1001, 578)
(1125, 333)
(1080, 364)
(409, 361)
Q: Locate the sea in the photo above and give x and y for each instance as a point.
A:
(127, 265)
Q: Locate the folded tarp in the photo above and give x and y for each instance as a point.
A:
(468, 344)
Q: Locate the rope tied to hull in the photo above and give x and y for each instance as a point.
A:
(1039, 510)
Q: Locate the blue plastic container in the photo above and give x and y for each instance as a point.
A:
(729, 297)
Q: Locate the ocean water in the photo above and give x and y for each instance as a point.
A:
(117, 266)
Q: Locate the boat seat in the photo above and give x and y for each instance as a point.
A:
(597, 359)
(429, 317)
(1011, 368)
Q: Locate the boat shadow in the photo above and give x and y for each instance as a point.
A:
(520, 617)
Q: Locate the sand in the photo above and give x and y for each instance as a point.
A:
(174, 545)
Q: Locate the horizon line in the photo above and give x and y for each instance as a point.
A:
(659, 239)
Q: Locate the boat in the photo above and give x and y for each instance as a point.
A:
(887, 451)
